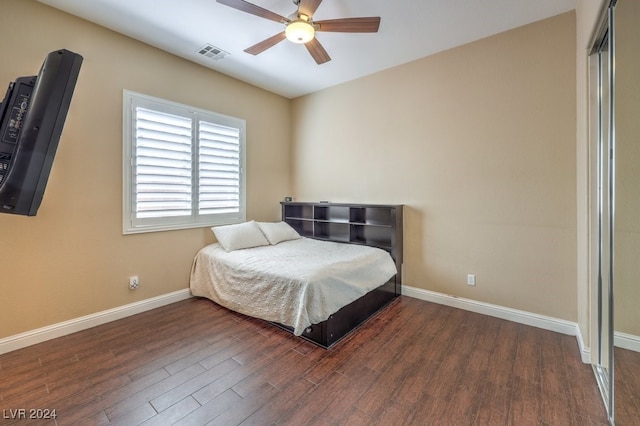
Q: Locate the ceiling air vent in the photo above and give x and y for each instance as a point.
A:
(212, 52)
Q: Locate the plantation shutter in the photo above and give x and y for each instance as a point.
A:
(163, 179)
(183, 166)
(219, 169)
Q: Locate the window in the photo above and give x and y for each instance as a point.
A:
(183, 167)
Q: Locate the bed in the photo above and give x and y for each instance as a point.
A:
(318, 289)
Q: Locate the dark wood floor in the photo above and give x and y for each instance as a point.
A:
(194, 363)
(627, 387)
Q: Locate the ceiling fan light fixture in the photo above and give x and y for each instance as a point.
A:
(300, 31)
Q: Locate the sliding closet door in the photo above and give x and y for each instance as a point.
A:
(627, 213)
(602, 94)
(615, 130)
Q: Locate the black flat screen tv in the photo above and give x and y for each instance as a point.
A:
(32, 116)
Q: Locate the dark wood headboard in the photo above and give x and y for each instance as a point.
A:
(375, 225)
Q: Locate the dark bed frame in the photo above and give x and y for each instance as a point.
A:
(373, 225)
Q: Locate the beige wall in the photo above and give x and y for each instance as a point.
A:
(479, 143)
(72, 259)
(488, 191)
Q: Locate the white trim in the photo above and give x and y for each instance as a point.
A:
(515, 315)
(39, 335)
(585, 352)
(626, 341)
(33, 337)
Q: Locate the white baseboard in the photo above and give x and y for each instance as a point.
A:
(585, 352)
(32, 337)
(39, 335)
(515, 315)
(626, 341)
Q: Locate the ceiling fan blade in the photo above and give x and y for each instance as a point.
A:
(253, 9)
(317, 51)
(350, 25)
(308, 7)
(265, 44)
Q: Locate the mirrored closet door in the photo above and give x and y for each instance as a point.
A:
(602, 134)
(615, 130)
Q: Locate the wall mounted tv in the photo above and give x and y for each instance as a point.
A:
(32, 116)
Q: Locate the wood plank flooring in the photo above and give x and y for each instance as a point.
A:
(195, 363)
(627, 387)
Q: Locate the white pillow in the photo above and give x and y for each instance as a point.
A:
(240, 236)
(277, 232)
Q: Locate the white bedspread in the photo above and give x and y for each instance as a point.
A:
(295, 283)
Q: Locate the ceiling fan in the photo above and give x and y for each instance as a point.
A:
(301, 28)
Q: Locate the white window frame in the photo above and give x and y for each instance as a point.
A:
(131, 223)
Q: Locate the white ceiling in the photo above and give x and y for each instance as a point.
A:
(409, 29)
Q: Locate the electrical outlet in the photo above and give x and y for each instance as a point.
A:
(134, 282)
(471, 279)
